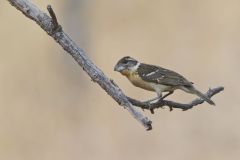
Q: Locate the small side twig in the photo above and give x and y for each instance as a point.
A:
(56, 26)
(171, 104)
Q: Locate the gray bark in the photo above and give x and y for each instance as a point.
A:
(54, 30)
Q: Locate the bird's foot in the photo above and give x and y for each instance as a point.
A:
(150, 106)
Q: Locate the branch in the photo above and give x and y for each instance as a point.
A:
(171, 104)
(53, 29)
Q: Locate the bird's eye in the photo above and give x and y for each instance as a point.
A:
(125, 62)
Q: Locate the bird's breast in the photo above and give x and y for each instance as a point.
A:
(138, 82)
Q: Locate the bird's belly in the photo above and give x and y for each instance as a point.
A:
(138, 82)
(143, 85)
(161, 88)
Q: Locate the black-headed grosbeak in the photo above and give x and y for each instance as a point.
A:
(155, 78)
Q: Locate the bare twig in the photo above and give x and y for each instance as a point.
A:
(171, 104)
(56, 26)
(52, 14)
(50, 25)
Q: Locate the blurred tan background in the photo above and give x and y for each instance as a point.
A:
(50, 110)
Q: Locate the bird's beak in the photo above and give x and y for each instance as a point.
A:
(118, 68)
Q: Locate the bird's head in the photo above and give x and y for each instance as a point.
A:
(126, 64)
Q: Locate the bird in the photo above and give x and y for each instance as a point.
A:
(155, 78)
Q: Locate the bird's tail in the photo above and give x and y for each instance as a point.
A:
(201, 95)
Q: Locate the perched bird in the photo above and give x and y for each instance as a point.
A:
(155, 78)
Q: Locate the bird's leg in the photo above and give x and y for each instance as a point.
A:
(159, 97)
(151, 100)
(169, 93)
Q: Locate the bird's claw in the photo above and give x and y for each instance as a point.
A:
(150, 107)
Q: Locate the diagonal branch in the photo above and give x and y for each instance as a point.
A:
(53, 29)
(171, 104)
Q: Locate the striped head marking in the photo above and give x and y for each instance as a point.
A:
(126, 64)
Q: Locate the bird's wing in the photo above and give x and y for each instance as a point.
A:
(156, 74)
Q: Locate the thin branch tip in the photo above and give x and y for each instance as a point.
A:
(149, 126)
